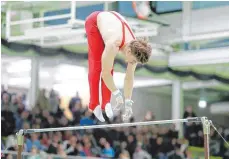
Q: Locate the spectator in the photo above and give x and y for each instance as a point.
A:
(42, 101)
(149, 116)
(14, 103)
(87, 149)
(53, 147)
(3, 90)
(74, 100)
(124, 143)
(53, 102)
(35, 154)
(176, 155)
(76, 111)
(63, 122)
(7, 122)
(34, 141)
(87, 120)
(124, 155)
(131, 145)
(6, 102)
(191, 134)
(67, 135)
(60, 151)
(173, 133)
(2, 146)
(45, 115)
(140, 153)
(21, 119)
(20, 104)
(108, 151)
(45, 141)
(81, 150)
(188, 114)
(60, 111)
(161, 151)
(70, 146)
(11, 142)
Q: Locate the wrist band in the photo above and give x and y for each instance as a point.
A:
(115, 92)
(129, 101)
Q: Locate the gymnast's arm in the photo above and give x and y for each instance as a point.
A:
(129, 80)
(109, 53)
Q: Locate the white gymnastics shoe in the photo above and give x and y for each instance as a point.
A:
(98, 113)
(109, 111)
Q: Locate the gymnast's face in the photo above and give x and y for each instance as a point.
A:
(130, 58)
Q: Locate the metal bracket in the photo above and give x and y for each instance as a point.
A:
(206, 128)
(206, 125)
(20, 137)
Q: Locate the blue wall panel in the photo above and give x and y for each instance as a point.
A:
(125, 8)
(168, 6)
(208, 4)
(58, 21)
(81, 13)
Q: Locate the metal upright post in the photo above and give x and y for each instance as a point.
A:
(177, 104)
(20, 143)
(73, 10)
(34, 84)
(8, 20)
(206, 129)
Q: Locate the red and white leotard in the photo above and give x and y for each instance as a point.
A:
(102, 27)
(112, 25)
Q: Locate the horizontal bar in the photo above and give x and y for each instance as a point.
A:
(40, 19)
(30, 131)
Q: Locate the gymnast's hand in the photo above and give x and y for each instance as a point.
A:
(128, 110)
(119, 100)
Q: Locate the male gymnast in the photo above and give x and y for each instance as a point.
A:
(108, 33)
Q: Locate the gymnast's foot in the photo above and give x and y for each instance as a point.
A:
(108, 111)
(98, 113)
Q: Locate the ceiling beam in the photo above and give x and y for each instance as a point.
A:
(46, 5)
(199, 57)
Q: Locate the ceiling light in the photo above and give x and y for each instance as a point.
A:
(44, 74)
(19, 66)
(202, 103)
(19, 81)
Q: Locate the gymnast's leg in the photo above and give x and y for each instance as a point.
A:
(106, 97)
(95, 50)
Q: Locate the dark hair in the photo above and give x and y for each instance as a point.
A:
(141, 49)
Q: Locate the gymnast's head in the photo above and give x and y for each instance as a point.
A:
(138, 51)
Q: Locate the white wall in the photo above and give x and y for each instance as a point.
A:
(161, 105)
(202, 21)
(157, 103)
